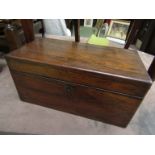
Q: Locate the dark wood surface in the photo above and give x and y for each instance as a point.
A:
(27, 25)
(148, 45)
(101, 83)
(76, 99)
(76, 23)
(108, 68)
(132, 34)
(86, 57)
(146, 36)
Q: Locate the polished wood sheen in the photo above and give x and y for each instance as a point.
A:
(77, 99)
(101, 83)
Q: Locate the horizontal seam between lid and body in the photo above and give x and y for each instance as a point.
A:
(75, 84)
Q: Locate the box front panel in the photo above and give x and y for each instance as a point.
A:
(77, 99)
(124, 86)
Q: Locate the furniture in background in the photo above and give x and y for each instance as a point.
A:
(145, 31)
(11, 36)
(76, 23)
(28, 29)
(146, 36)
(15, 33)
(4, 46)
(132, 33)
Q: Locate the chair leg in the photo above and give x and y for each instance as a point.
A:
(76, 23)
(135, 25)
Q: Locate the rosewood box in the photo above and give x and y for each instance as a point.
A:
(101, 83)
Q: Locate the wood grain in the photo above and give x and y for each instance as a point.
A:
(108, 68)
(80, 100)
(85, 57)
(101, 83)
(110, 83)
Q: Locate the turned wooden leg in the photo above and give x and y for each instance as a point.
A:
(76, 23)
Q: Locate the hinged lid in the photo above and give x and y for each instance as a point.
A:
(112, 69)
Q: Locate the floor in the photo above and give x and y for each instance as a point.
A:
(17, 117)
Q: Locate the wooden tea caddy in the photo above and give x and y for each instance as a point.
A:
(101, 83)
